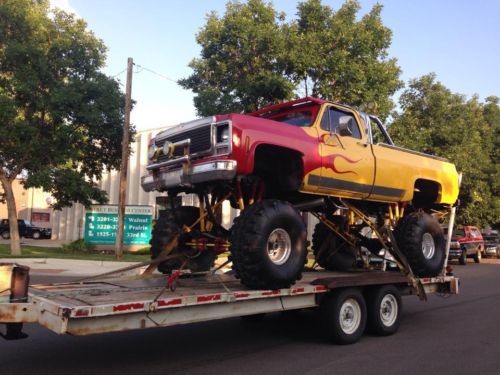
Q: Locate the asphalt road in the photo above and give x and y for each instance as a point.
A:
(457, 335)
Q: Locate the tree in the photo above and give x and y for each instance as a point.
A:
(243, 60)
(60, 118)
(465, 131)
(251, 57)
(344, 59)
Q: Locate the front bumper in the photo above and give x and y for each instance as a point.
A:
(188, 176)
(455, 253)
(490, 250)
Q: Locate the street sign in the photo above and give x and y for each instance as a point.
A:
(101, 222)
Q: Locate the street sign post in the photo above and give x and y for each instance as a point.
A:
(101, 222)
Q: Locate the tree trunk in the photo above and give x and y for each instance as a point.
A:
(15, 243)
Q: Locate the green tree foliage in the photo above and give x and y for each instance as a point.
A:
(465, 131)
(343, 58)
(243, 60)
(60, 117)
(251, 57)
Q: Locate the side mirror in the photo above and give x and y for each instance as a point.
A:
(345, 127)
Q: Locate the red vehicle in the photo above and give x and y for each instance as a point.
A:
(467, 242)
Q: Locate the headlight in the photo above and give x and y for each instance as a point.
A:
(454, 245)
(152, 150)
(222, 133)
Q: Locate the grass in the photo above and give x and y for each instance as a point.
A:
(60, 253)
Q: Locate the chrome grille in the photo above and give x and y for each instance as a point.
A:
(201, 141)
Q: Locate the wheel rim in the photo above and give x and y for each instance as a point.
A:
(279, 246)
(428, 246)
(350, 316)
(388, 310)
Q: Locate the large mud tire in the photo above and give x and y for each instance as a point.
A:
(420, 238)
(169, 223)
(330, 251)
(268, 245)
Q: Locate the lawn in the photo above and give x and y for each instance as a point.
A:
(60, 253)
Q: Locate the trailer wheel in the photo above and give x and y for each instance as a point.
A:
(463, 258)
(420, 238)
(344, 315)
(330, 251)
(168, 224)
(384, 310)
(268, 245)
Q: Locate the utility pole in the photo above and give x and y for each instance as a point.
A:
(122, 197)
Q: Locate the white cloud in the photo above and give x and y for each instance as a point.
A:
(63, 5)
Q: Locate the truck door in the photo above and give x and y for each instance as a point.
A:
(348, 164)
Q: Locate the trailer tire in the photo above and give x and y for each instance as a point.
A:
(268, 245)
(169, 223)
(420, 238)
(384, 310)
(5, 235)
(344, 315)
(337, 256)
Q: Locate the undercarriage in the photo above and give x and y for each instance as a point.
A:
(267, 243)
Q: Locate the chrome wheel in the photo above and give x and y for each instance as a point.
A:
(388, 310)
(350, 316)
(428, 246)
(279, 246)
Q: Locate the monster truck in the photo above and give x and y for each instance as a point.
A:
(306, 155)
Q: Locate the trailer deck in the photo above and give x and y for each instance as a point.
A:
(135, 303)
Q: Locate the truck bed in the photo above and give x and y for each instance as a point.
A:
(135, 303)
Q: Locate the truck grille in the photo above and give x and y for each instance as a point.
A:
(201, 141)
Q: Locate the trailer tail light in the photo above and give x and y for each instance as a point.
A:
(449, 270)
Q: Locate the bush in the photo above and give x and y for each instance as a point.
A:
(77, 246)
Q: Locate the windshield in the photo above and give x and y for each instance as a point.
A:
(300, 115)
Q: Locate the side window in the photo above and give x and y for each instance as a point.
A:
(340, 122)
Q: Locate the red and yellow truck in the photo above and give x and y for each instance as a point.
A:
(307, 155)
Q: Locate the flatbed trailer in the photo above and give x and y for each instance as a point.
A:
(121, 304)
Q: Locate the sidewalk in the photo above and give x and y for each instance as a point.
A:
(72, 267)
(39, 243)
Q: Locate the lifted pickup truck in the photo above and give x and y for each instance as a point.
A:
(307, 155)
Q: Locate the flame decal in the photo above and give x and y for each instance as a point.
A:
(329, 163)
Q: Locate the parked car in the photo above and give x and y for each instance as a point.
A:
(26, 229)
(466, 242)
(492, 245)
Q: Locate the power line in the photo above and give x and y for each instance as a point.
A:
(116, 75)
(156, 73)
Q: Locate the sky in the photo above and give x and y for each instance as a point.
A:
(458, 40)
